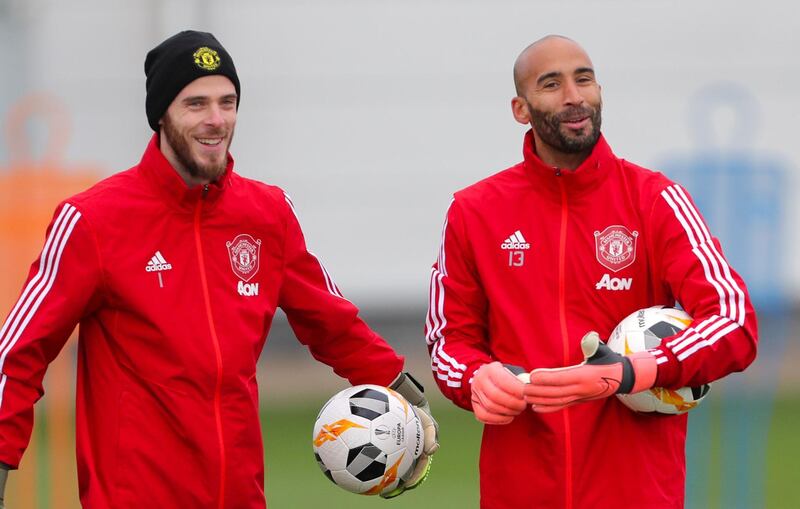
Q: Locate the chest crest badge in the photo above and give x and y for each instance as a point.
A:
(615, 247)
(244, 252)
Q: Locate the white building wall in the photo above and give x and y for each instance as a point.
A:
(370, 113)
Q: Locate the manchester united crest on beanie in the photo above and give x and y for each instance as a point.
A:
(178, 61)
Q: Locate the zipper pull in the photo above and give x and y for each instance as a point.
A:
(205, 190)
(558, 172)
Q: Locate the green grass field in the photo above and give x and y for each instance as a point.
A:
(782, 483)
(294, 480)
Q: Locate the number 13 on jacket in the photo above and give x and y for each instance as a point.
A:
(571, 240)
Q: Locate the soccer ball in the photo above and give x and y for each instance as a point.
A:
(642, 330)
(367, 439)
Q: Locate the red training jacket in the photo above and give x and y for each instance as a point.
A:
(175, 289)
(534, 257)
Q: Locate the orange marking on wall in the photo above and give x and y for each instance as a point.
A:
(31, 186)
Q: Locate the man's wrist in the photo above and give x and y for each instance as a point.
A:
(645, 367)
(410, 389)
(628, 377)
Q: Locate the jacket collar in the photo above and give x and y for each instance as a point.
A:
(587, 176)
(169, 184)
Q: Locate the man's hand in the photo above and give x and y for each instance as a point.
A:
(413, 392)
(497, 395)
(602, 373)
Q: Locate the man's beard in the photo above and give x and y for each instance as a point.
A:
(180, 145)
(548, 127)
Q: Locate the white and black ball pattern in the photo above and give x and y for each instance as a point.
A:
(367, 439)
(369, 403)
(643, 330)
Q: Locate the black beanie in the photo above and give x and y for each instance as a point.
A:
(178, 61)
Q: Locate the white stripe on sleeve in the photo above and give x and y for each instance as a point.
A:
(39, 286)
(446, 367)
(728, 277)
(329, 284)
(432, 319)
(435, 320)
(723, 301)
(704, 240)
(716, 271)
(708, 342)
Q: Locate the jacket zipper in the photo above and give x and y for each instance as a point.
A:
(215, 342)
(562, 316)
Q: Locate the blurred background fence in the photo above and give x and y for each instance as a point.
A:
(370, 113)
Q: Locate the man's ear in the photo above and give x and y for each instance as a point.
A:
(519, 108)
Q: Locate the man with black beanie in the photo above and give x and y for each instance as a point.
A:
(174, 270)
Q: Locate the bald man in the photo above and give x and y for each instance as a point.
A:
(540, 261)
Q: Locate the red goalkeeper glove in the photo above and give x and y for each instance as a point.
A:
(602, 373)
(496, 394)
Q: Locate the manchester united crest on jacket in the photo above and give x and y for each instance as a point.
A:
(615, 247)
(245, 254)
(149, 431)
(480, 312)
